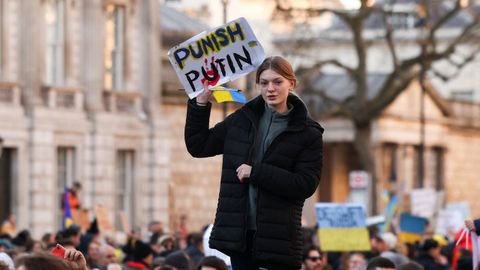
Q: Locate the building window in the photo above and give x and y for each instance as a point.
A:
(66, 172)
(114, 47)
(463, 95)
(418, 179)
(124, 186)
(55, 37)
(438, 159)
(390, 162)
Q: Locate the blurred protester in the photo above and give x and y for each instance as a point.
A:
(411, 266)
(93, 256)
(386, 246)
(73, 195)
(107, 255)
(154, 228)
(73, 260)
(7, 261)
(142, 256)
(195, 247)
(9, 225)
(72, 233)
(430, 257)
(179, 260)
(182, 232)
(313, 259)
(48, 240)
(5, 245)
(167, 245)
(380, 263)
(23, 241)
(212, 263)
(357, 261)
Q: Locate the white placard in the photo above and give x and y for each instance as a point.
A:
(219, 56)
(423, 202)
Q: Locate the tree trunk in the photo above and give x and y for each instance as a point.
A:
(363, 146)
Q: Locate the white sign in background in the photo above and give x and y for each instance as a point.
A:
(423, 202)
(220, 55)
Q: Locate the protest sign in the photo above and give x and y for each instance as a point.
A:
(462, 207)
(411, 228)
(81, 218)
(449, 222)
(218, 56)
(342, 227)
(103, 218)
(423, 202)
(125, 223)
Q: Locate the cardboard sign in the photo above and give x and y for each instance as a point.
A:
(103, 219)
(218, 56)
(125, 223)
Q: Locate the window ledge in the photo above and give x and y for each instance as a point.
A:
(9, 93)
(63, 97)
(122, 101)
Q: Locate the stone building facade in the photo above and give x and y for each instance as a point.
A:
(80, 101)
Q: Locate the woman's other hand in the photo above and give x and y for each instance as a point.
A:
(243, 172)
(470, 225)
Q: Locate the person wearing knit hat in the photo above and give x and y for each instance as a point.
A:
(142, 256)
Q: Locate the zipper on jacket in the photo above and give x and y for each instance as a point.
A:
(249, 161)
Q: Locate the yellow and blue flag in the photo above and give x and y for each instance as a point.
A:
(67, 211)
(225, 94)
(411, 228)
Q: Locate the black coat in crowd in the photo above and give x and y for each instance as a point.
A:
(288, 174)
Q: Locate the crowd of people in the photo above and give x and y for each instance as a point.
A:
(184, 250)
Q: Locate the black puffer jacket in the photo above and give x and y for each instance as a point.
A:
(289, 173)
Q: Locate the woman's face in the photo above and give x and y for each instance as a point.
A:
(275, 88)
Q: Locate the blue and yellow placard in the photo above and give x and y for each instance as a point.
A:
(342, 227)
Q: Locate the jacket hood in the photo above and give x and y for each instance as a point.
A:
(298, 116)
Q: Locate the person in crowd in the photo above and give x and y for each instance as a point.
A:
(410, 266)
(93, 255)
(357, 261)
(212, 263)
(7, 261)
(73, 195)
(72, 260)
(141, 258)
(195, 247)
(179, 260)
(272, 159)
(107, 255)
(430, 257)
(313, 259)
(72, 233)
(155, 228)
(386, 246)
(5, 245)
(182, 232)
(166, 245)
(9, 225)
(380, 263)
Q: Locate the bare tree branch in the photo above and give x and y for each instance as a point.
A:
(309, 12)
(445, 18)
(389, 38)
(334, 62)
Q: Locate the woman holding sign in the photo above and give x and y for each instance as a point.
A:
(272, 161)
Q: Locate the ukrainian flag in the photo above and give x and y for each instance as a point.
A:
(67, 213)
(225, 94)
(411, 228)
